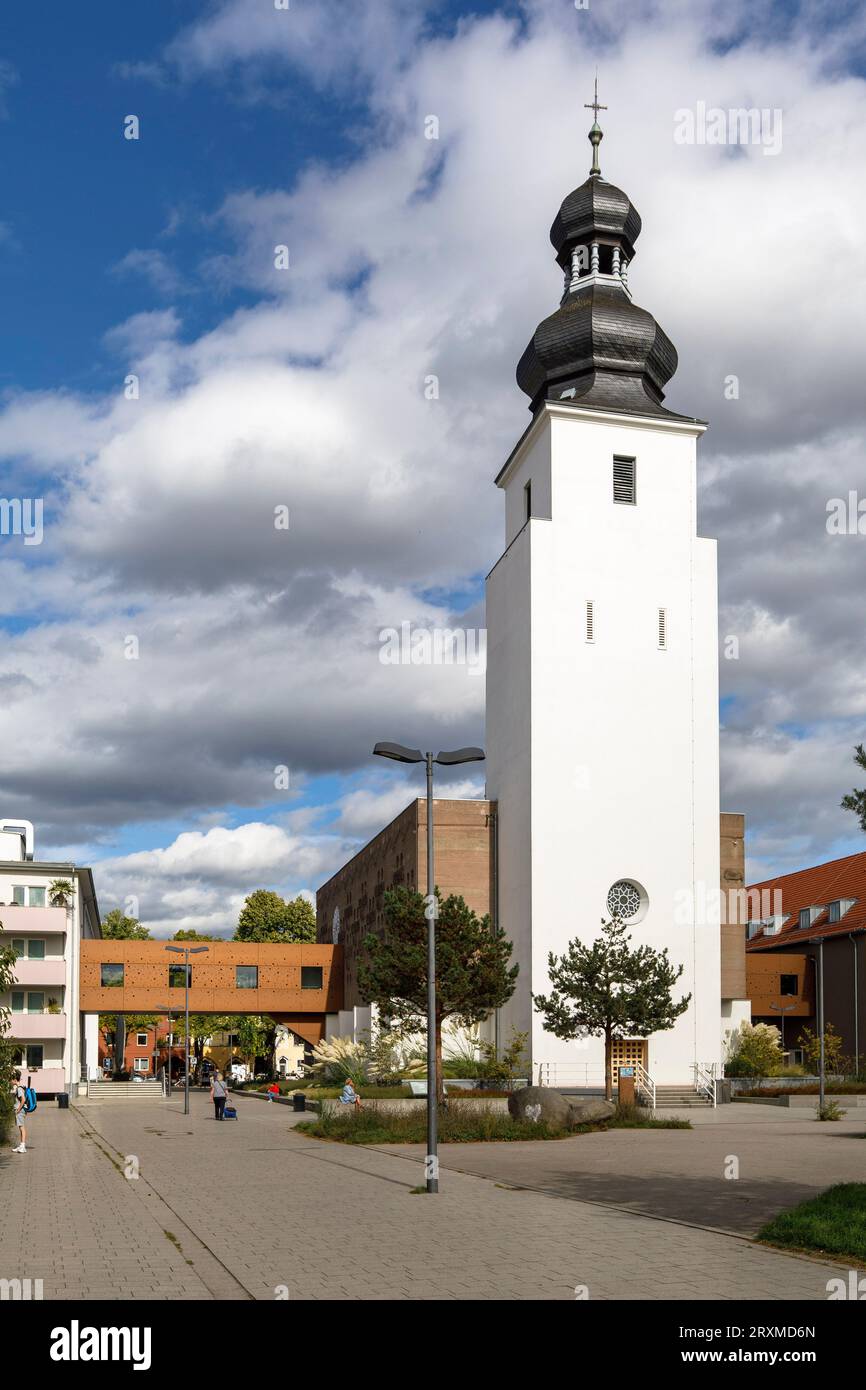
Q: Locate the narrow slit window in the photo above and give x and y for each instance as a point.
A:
(663, 629)
(590, 621)
(527, 493)
(625, 481)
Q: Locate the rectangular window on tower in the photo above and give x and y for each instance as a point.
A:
(663, 629)
(625, 481)
(527, 493)
(590, 621)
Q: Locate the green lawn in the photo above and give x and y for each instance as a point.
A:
(833, 1223)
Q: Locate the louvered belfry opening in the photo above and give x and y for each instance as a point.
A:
(625, 481)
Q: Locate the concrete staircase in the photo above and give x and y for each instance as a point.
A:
(679, 1097)
(149, 1089)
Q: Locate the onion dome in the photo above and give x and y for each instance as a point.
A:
(598, 349)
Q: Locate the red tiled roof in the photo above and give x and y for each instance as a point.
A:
(818, 887)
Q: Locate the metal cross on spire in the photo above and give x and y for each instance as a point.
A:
(594, 105)
(595, 135)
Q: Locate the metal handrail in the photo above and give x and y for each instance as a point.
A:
(705, 1080)
(569, 1074)
(644, 1082)
(581, 1073)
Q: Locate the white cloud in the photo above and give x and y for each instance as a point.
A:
(423, 258)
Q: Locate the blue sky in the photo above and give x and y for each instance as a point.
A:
(408, 258)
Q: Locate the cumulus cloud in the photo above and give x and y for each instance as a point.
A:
(426, 261)
(200, 880)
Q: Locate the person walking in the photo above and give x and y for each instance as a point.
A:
(25, 1103)
(218, 1093)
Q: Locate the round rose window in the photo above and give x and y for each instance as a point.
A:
(624, 900)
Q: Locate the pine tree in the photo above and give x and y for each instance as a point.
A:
(856, 800)
(608, 990)
(473, 976)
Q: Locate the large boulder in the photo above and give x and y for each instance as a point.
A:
(536, 1103)
(591, 1110)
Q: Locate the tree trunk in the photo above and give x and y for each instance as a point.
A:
(608, 1065)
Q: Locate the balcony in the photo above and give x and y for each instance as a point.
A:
(37, 1027)
(34, 974)
(32, 921)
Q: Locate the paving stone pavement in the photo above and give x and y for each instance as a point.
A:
(783, 1157)
(239, 1210)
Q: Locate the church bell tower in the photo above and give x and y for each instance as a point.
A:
(602, 676)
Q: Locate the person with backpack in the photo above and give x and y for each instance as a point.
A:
(25, 1104)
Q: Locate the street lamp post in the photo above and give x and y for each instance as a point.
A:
(186, 951)
(819, 967)
(856, 1008)
(400, 754)
(168, 1010)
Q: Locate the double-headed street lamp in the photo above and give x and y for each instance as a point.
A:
(783, 1009)
(399, 754)
(186, 951)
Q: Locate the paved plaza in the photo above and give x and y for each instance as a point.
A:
(253, 1210)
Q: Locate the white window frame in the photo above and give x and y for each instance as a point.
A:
(141, 1064)
(25, 889)
(141, 1040)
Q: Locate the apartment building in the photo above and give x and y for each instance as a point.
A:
(45, 926)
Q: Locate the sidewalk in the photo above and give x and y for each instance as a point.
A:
(239, 1210)
(784, 1157)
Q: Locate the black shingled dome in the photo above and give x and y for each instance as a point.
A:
(598, 349)
(595, 207)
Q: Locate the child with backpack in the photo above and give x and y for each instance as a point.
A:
(25, 1104)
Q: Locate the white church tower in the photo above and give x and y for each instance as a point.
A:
(602, 679)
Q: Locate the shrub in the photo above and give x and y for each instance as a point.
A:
(811, 1045)
(754, 1050)
(338, 1060)
(7, 1075)
(830, 1110)
(457, 1125)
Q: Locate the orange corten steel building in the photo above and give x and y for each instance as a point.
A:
(297, 985)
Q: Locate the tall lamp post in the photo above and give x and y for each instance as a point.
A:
(186, 951)
(399, 754)
(819, 969)
(856, 1008)
(168, 1010)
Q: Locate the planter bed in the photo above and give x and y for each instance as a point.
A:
(739, 1084)
(805, 1102)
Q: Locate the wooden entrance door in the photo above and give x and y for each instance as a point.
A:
(628, 1052)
